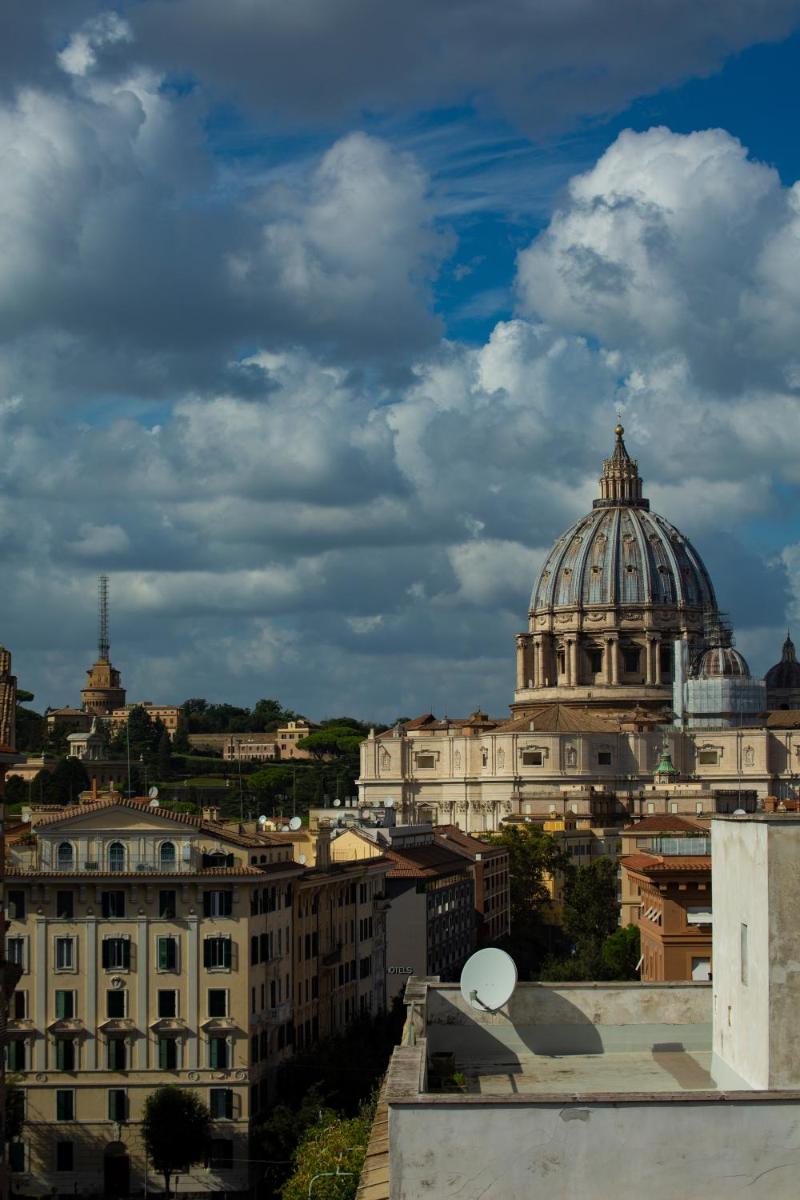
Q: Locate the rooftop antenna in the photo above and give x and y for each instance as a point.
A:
(102, 624)
(488, 979)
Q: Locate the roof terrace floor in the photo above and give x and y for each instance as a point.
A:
(668, 1067)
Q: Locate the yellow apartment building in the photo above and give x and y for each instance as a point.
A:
(155, 948)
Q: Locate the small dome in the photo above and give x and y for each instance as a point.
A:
(786, 673)
(722, 660)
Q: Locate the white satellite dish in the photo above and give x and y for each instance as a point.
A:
(739, 812)
(284, 828)
(365, 814)
(262, 822)
(337, 802)
(153, 793)
(295, 824)
(488, 979)
(301, 858)
(389, 802)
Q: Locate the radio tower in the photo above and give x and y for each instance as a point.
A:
(103, 690)
(102, 626)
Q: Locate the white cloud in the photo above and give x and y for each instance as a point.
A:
(676, 242)
(80, 53)
(100, 541)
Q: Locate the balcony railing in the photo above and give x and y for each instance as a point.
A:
(30, 858)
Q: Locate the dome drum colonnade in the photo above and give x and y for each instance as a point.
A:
(614, 593)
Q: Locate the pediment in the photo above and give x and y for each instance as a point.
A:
(114, 817)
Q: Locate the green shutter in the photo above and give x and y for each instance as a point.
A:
(61, 1005)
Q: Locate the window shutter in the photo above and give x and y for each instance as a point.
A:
(59, 1067)
(226, 953)
(106, 953)
(227, 900)
(229, 1103)
(60, 1005)
(213, 1055)
(206, 904)
(162, 1053)
(207, 953)
(126, 954)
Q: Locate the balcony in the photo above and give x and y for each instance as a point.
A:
(332, 956)
(31, 858)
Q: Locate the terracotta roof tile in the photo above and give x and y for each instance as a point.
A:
(668, 823)
(423, 861)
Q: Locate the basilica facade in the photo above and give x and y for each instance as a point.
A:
(630, 696)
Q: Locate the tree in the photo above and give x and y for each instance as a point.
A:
(164, 755)
(30, 727)
(621, 953)
(533, 858)
(176, 1130)
(591, 909)
(334, 741)
(330, 1155)
(16, 792)
(64, 784)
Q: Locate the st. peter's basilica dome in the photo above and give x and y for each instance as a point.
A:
(615, 592)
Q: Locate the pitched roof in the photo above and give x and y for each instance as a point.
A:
(668, 823)
(463, 841)
(559, 718)
(667, 864)
(202, 872)
(421, 862)
(783, 718)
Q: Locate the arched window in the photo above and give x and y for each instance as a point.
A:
(65, 856)
(167, 856)
(116, 857)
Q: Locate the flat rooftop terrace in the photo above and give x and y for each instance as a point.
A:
(665, 1067)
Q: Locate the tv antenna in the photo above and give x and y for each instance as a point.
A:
(488, 979)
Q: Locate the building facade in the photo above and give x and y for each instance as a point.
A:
(159, 948)
(8, 701)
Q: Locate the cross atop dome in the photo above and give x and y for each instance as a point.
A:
(620, 482)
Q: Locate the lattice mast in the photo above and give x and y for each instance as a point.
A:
(102, 621)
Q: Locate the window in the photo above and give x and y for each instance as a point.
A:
(595, 661)
(15, 951)
(15, 1054)
(65, 856)
(65, 1104)
(708, 757)
(113, 904)
(65, 1156)
(117, 1054)
(218, 903)
(65, 954)
(425, 760)
(217, 1052)
(115, 1003)
(16, 1156)
(221, 1103)
(65, 905)
(116, 953)
(19, 1006)
(166, 903)
(222, 1154)
(15, 905)
(218, 1002)
(117, 1104)
(698, 915)
(631, 660)
(743, 964)
(65, 1055)
(532, 758)
(701, 970)
(604, 758)
(65, 1005)
(168, 1003)
(217, 953)
(168, 1053)
(167, 856)
(167, 953)
(116, 857)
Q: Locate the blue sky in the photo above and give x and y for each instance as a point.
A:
(314, 321)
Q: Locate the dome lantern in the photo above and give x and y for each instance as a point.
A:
(620, 482)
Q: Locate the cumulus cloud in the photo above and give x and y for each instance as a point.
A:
(676, 242)
(80, 53)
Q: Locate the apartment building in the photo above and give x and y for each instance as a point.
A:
(9, 972)
(339, 944)
(155, 948)
(490, 873)
(675, 913)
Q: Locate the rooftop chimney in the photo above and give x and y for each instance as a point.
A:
(324, 845)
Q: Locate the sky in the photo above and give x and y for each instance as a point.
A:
(316, 317)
